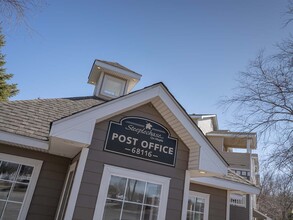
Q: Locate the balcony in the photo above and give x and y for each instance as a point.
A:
(237, 160)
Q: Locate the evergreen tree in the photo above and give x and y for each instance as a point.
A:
(6, 90)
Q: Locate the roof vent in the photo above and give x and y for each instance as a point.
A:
(111, 79)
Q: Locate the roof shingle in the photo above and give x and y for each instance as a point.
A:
(33, 118)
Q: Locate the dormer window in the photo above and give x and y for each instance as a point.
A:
(113, 86)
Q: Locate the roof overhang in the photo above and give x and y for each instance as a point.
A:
(236, 139)
(259, 215)
(226, 184)
(77, 130)
(23, 141)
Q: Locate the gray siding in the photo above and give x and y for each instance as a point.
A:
(218, 200)
(49, 185)
(240, 213)
(87, 197)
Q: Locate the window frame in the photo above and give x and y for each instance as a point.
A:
(61, 213)
(108, 77)
(240, 202)
(127, 173)
(37, 164)
(206, 198)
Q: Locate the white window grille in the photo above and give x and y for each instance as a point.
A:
(238, 200)
(18, 177)
(129, 194)
(198, 206)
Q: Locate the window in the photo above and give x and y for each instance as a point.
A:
(198, 206)
(112, 86)
(18, 177)
(131, 195)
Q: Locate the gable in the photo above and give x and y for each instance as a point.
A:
(114, 136)
(76, 131)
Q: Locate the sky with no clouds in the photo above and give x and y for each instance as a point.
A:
(196, 48)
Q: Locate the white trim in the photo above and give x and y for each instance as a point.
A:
(79, 127)
(226, 184)
(206, 198)
(23, 141)
(240, 202)
(127, 73)
(239, 169)
(37, 164)
(76, 184)
(228, 206)
(213, 161)
(99, 67)
(185, 195)
(232, 134)
(250, 207)
(118, 171)
(71, 169)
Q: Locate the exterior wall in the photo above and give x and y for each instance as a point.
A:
(206, 125)
(237, 160)
(218, 200)
(217, 142)
(240, 213)
(90, 184)
(50, 182)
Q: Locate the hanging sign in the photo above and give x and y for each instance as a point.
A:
(141, 138)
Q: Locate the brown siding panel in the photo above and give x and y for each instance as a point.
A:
(97, 158)
(50, 182)
(240, 213)
(218, 200)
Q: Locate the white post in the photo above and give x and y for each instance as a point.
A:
(185, 195)
(76, 184)
(248, 145)
(228, 206)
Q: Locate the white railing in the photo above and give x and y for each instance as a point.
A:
(238, 200)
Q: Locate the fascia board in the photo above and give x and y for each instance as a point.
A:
(232, 135)
(119, 70)
(225, 184)
(209, 158)
(79, 127)
(19, 140)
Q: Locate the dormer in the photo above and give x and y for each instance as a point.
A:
(206, 122)
(111, 79)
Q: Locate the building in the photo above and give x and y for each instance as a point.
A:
(237, 149)
(121, 155)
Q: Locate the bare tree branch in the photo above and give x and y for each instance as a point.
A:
(263, 102)
(15, 11)
(276, 195)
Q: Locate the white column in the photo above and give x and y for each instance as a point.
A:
(185, 195)
(76, 184)
(228, 206)
(248, 146)
(250, 208)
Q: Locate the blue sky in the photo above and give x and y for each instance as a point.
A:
(196, 48)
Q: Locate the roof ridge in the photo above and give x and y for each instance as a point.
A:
(42, 99)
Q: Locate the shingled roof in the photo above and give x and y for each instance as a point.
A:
(232, 176)
(33, 118)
